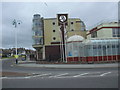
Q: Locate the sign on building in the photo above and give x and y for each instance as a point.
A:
(62, 19)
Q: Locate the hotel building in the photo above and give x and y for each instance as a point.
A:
(47, 36)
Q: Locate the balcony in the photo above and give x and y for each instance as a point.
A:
(37, 46)
(37, 36)
(38, 41)
(34, 28)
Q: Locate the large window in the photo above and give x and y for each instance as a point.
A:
(38, 40)
(38, 33)
(116, 32)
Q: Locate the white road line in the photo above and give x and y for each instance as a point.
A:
(81, 75)
(3, 77)
(28, 77)
(38, 75)
(105, 74)
(11, 65)
(14, 78)
(58, 75)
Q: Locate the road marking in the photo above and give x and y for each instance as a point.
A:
(3, 77)
(58, 75)
(105, 74)
(14, 78)
(81, 75)
(27, 77)
(38, 75)
(41, 75)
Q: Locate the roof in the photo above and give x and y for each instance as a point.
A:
(56, 18)
(101, 41)
(75, 38)
(104, 25)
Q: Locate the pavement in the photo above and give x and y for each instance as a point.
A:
(12, 74)
(73, 66)
(28, 63)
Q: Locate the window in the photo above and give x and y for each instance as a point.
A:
(36, 24)
(41, 40)
(113, 46)
(94, 47)
(71, 22)
(38, 33)
(116, 32)
(99, 47)
(53, 30)
(54, 38)
(117, 46)
(94, 34)
(38, 40)
(104, 47)
(53, 23)
(88, 46)
(108, 46)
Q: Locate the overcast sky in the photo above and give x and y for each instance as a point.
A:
(89, 12)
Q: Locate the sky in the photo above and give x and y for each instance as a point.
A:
(91, 13)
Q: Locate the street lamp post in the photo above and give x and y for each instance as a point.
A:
(16, 23)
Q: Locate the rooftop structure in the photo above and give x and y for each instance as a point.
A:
(75, 38)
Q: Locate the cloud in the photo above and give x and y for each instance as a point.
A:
(89, 12)
(0, 25)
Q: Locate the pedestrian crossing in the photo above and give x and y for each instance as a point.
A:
(64, 75)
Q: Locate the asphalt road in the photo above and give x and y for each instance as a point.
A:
(59, 78)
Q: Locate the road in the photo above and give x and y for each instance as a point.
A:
(58, 78)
